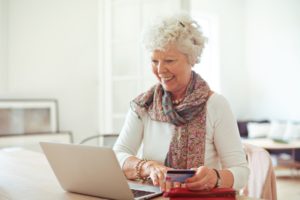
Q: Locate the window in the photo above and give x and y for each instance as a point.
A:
(126, 72)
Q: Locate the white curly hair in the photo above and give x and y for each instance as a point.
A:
(179, 30)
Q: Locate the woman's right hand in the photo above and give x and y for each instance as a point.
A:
(156, 172)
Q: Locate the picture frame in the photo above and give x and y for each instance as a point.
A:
(28, 116)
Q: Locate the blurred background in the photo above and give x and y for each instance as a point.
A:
(87, 55)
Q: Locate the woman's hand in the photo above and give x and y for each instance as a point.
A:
(156, 172)
(204, 179)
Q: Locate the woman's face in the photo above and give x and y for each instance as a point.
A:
(172, 69)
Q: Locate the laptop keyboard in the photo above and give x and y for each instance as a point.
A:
(139, 193)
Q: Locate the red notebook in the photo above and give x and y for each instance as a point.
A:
(214, 194)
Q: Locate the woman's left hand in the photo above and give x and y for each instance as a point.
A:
(204, 179)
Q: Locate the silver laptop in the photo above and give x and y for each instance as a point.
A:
(93, 171)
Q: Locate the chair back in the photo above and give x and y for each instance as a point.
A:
(107, 140)
(262, 181)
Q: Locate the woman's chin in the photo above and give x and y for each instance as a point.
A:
(168, 89)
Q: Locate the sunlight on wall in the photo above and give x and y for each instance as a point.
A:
(209, 66)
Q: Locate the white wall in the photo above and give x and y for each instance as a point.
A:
(273, 59)
(3, 45)
(49, 49)
(53, 54)
(233, 77)
(259, 56)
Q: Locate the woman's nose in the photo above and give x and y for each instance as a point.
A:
(161, 67)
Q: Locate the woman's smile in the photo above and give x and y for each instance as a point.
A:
(167, 80)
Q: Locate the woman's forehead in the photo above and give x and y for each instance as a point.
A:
(170, 51)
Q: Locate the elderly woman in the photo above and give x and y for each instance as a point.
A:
(180, 123)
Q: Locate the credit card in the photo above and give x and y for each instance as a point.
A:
(179, 175)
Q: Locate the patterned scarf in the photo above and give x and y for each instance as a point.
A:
(187, 147)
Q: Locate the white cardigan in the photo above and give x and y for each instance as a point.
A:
(223, 149)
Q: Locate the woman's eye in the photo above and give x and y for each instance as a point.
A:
(169, 61)
(154, 62)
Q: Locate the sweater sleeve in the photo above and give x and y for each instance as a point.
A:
(130, 138)
(228, 143)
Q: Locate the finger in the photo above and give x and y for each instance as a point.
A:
(200, 173)
(161, 177)
(198, 185)
(194, 178)
(177, 185)
(154, 179)
(168, 185)
(163, 186)
(193, 186)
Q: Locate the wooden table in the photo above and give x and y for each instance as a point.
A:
(26, 175)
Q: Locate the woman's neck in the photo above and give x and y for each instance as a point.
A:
(179, 95)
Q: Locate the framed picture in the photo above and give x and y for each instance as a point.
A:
(28, 116)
